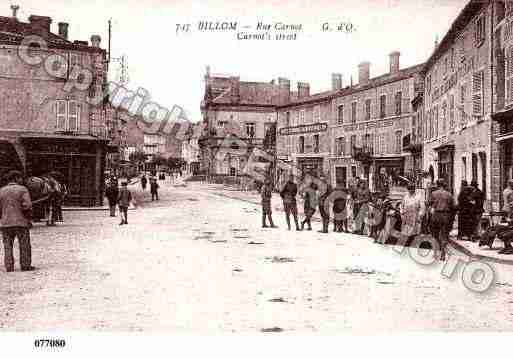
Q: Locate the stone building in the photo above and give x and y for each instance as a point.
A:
(236, 116)
(302, 137)
(369, 124)
(458, 101)
(190, 149)
(52, 101)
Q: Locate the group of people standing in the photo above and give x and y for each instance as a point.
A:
(154, 186)
(434, 214)
(120, 197)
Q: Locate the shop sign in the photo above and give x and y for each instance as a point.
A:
(296, 130)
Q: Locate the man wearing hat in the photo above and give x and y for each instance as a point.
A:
(124, 199)
(15, 214)
(443, 207)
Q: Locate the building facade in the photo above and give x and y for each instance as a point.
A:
(52, 104)
(190, 149)
(458, 101)
(370, 123)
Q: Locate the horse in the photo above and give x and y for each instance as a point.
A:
(46, 193)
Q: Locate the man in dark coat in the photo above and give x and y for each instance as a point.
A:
(15, 221)
(288, 194)
(339, 209)
(478, 198)
(360, 200)
(309, 205)
(124, 199)
(154, 189)
(144, 181)
(112, 193)
(465, 211)
(324, 205)
(444, 209)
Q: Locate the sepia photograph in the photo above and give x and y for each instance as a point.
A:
(255, 170)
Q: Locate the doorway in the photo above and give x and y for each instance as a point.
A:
(341, 176)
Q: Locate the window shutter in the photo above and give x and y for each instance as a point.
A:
(73, 115)
(61, 112)
(477, 93)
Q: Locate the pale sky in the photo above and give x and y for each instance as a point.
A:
(171, 66)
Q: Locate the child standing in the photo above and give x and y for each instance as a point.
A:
(124, 199)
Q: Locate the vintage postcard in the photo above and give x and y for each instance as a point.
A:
(266, 168)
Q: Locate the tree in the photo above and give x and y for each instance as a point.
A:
(175, 162)
(137, 157)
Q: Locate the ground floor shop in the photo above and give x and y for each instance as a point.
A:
(79, 159)
(461, 156)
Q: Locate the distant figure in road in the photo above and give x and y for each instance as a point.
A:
(124, 199)
(15, 214)
(112, 193)
(144, 181)
(267, 192)
(478, 198)
(444, 208)
(311, 199)
(154, 189)
(339, 209)
(507, 196)
(324, 205)
(288, 194)
(465, 211)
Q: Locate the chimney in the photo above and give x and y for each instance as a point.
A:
(235, 87)
(40, 22)
(63, 29)
(15, 9)
(303, 90)
(363, 73)
(284, 85)
(95, 40)
(336, 81)
(394, 61)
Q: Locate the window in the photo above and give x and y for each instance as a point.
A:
(479, 31)
(341, 145)
(383, 144)
(353, 142)
(398, 102)
(477, 94)
(67, 115)
(376, 145)
(287, 119)
(367, 109)
(413, 135)
(317, 113)
(509, 8)
(509, 74)
(428, 84)
(420, 125)
(233, 172)
(301, 144)
(444, 117)
(367, 142)
(222, 123)
(398, 138)
(451, 111)
(463, 91)
(340, 117)
(250, 129)
(382, 106)
(435, 119)
(74, 60)
(316, 143)
(353, 112)
(302, 117)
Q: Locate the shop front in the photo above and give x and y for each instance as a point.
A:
(446, 165)
(80, 159)
(312, 166)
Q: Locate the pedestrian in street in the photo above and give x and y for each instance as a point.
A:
(507, 196)
(412, 211)
(310, 201)
(112, 193)
(144, 182)
(124, 199)
(465, 212)
(444, 209)
(288, 195)
(340, 209)
(266, 194)
(154, 189)
(362, 197)
(324, 205)
(15, 214)
(478, 198)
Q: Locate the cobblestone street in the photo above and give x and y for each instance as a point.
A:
(198, 261)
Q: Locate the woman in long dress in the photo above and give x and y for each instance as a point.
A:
(412, 211)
